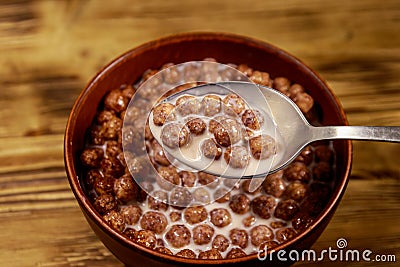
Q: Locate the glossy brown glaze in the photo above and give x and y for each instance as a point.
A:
(225, 48)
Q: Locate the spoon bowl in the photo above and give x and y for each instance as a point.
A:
(291, 129)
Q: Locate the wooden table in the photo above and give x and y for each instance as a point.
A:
(50, 49)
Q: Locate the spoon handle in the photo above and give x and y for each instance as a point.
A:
(372, 133)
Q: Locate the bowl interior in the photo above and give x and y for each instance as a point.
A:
(225, 48)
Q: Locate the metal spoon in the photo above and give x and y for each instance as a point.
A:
(291, 126)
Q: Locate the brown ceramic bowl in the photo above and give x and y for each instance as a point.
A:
(225, 48)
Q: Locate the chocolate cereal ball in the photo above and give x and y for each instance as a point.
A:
(186, 253)
(246, 70)
(281, 84)
(115, 101)
(104, 185)
(105, 115)
(175, 216)
(209, 70)
(168, 177)
(170, 73)
(188, 179)
(132, 138)
(201, 195)
(187, 105)
(158, 200)
(306, 156)
(125, 189)
(112, 128)
(263, 206)
(131, 214)
(202, 234)
(237, 157)
(262, 78)
(196, 126)
(191, 72)
(145, 238)
(210, 149)
(233, 104)
(154, 221)
(252, 119)
(297, 171)
(105, 203)
(239, 237)
(274, 185)
(295, 89)
(115, 220)
(304, 101)
(180, 197)
(285, 234)
(163, 112)
(112, 167)
(220, 242)
(135, 165)
(131, 114)
(277, 224)
(175, 135)
(286, 209)
(212, 254)
(220, 217)
(195, 214)
(302, 220)
(235, 253)
(91, 157)
(211, 105)
(262, 146)
(249, 221)
(296, 191)
(130, 233)
(228, 132)
(240, 203)
(178, 236)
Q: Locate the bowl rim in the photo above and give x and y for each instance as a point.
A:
(170, 39)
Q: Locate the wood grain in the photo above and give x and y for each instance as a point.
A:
(51, 49)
